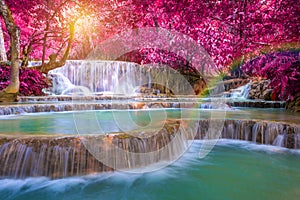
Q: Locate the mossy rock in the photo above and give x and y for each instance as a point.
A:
(8, 97)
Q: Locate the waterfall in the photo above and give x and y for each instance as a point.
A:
(279, 140)
(255, 132)
(240, 92)
(297, 141)
(97, 76)
(273, 130)
(56, 157)
(118, 78)
(261, 132)
(60, 83)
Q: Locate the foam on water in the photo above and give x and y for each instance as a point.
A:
(257, 147)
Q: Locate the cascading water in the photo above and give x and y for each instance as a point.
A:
(66, 156)
(73, 155)
(118, 77)
(297, 141)
(33, 157)
(46, 157)
(260, 132)
(279, 140)
(57, 156)
(272, 132)
(97, 76)
(60, 83)
(241, 92)
(241, 97)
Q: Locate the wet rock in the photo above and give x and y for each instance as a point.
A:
(267, 94)
(260, 90)
(294, 105)
(142, 90)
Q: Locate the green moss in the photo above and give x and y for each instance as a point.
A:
(123, 136)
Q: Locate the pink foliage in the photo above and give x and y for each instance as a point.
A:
(32, 82)
(226, 29)
(282, 68)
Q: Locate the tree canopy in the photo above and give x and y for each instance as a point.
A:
(227, 29)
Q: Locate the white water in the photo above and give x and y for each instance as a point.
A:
(98, 76)
(279, 141)
(94, 76)
(297, 141)
(238, 162)
(241, 92)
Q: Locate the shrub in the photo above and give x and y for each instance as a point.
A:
(283, 70)
(32, 82)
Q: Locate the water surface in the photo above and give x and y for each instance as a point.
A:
(112, 120)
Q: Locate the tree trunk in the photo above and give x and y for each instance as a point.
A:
(3, 57)
(9, 94)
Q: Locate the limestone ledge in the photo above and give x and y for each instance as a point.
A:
(69, 106)
(63, 155)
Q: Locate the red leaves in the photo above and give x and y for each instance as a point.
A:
(226, 29)
(31, 81)
(282, 68)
